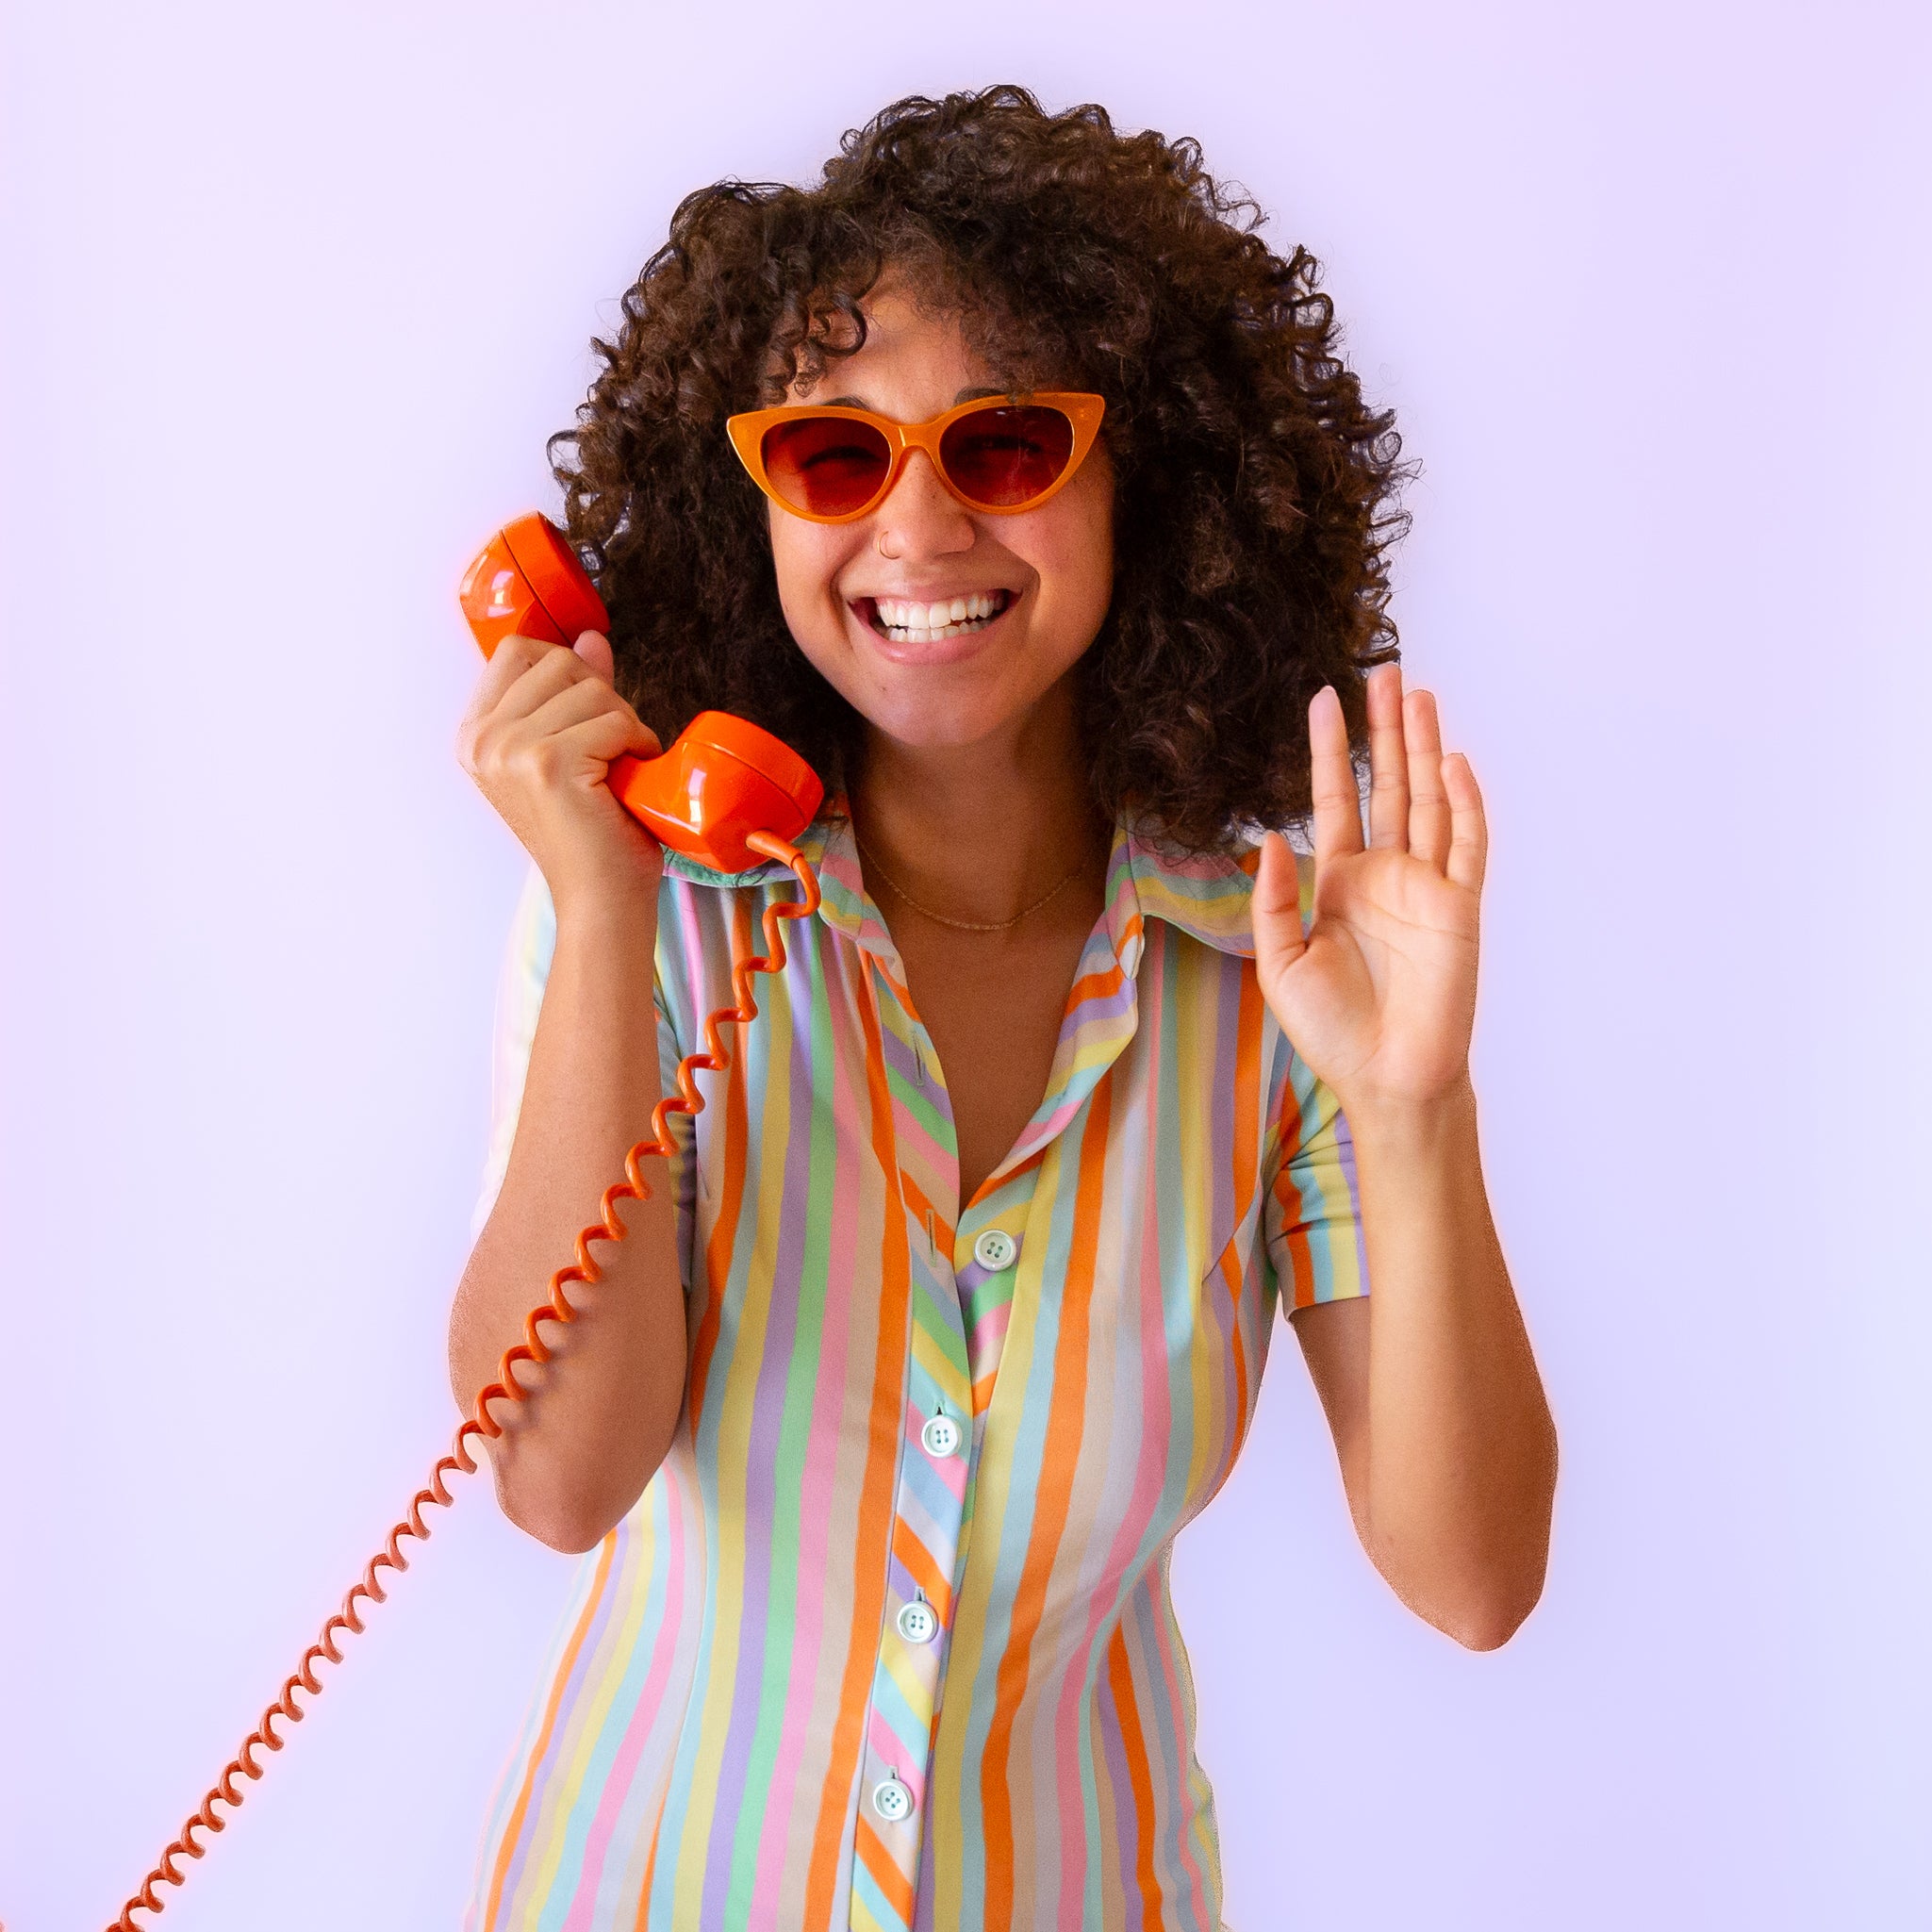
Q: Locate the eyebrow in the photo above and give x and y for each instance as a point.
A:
(860, 403)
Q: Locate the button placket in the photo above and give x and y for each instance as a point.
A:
(986, 1278)
(929, 1502)
(962, 1295)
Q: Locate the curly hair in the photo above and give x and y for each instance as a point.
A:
(1255, 492)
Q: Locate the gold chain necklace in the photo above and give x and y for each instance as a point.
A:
(960, 925)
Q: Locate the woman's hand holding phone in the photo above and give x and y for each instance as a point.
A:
(539, 738)
(541, 733)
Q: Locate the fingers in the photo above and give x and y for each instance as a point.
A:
(1419, 801)
(1468, 830)
(584, 697)
(570, 742)
(521, 674)
(1429, 804)
(533, 693)
(1388, 761)
(510, 660)
(587, 716)
(593, 649)
(1279, 938)
(608, 736)
(1331, 775)
(520, 678)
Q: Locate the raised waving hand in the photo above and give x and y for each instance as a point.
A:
(1379, 998)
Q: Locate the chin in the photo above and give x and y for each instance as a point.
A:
(923, 726)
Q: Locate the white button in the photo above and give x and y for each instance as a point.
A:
(994, 1248)
(891, 1799)
(916, 1621)
(941, 1436)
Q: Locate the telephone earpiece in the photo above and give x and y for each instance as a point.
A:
(721, 779)
(527, 581)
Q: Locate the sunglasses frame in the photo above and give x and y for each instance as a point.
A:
(1084, 411)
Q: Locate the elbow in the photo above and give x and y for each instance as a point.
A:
(1498, 1579)
(1480, 1613)
(1490, 1626)
(549, 1514)
(1478, 1598)
(569, 1532)
(570, 1525)
(573, 1511)
(1493, 1601)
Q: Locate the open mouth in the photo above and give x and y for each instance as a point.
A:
(905, 622)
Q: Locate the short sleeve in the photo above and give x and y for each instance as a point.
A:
(518, 1001)
(1311, 1215)
(525, 974)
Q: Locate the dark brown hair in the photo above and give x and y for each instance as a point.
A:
(1255, 491)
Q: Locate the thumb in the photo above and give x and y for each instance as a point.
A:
(593, 647)
(1279, 940)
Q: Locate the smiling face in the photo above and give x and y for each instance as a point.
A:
(940, 626)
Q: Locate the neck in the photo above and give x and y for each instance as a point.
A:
(981, 831)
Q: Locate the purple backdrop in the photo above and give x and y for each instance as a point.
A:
(292, 297)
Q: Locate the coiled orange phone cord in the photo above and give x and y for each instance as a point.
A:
(687, 1099)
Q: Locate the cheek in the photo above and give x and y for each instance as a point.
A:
(1075, 556)
(807, 559)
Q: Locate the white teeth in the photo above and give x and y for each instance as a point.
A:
(920, 623)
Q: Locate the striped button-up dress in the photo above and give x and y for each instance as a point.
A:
(886, 1643)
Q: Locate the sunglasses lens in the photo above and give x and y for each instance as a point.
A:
(825, 465)
(1006, 456)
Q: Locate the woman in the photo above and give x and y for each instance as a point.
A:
(953, 1306)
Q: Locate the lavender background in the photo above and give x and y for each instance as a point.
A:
(293, 295)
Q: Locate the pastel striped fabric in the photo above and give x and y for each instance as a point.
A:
(886, 1643)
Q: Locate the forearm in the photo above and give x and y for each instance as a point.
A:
(603, 1410)
(1455, 1474)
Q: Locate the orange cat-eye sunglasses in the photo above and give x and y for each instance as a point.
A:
(834, 465)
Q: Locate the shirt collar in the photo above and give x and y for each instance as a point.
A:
(1205, 897)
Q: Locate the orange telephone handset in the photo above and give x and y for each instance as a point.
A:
(728, 795)
(720, 780)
